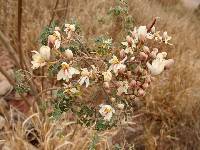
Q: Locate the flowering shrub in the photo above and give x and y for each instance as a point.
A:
(121, 73)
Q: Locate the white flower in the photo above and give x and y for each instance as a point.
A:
(66, 72)
(57, 44)
(58, 39)
(142, 34)
(117, 65)
(166, 38)
(158, 64)
(107, 76)
(123, 88)
(57, 28)
(68, 54)
(106, 111)
(54, 40)
(69, 28)
(84, 77)
(108, 41)
(40, 58)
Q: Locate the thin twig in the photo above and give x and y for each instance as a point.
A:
(151, 25)
(19, 32)
(52, 18)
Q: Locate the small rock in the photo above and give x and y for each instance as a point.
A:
(5, 86)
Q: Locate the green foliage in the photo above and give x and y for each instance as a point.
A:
(48, 30)
(102, 125)
(117, 147)
(62, 104)
(21, 85)
(103, 45)
(129, 22)
(117, 11)
(86, 115)
(53, 69)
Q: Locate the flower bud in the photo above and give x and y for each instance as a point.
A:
(51, 41)
(132, 58)
(145, 85)
(154, 53)
(69, 54)
(122, 54)
(45, 52)
(138, 83)
(146, 49)
(143, 56)
(132, 84)
(141, 92)
(106, 85)
(120, 106)
(113, 99)
(129, 40)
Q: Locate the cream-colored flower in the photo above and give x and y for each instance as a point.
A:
(117, 65)
(40, 58)
(66, 72)
(69, 29)
(123, 88)
(57, 28)
(166, 38)
(85, 74)
(57, 42)
(106, 111)
(107, 75)
(158, 64)
(142, 32)
(54, 40)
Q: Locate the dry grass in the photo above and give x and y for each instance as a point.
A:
(171, 112)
